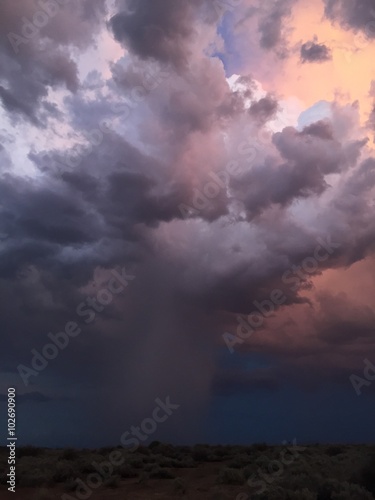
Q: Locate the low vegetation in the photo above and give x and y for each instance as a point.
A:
(317, 472)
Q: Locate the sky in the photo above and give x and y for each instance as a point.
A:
(187, 216)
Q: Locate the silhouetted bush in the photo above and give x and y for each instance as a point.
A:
(29, 451)
(332, 451)
(201, 453)
(159, 448)
(154, 444)
(136, 462)
(84, 465)
(352, 492)
(230, 476)
(260, 446)
(112, 482)
(70, 484)
(367, 475)
(127, 471)
(239, 462)
(33, 479)
(145, 451)
(69, 454)
(104, 451)
(342, 490)
(63, 471)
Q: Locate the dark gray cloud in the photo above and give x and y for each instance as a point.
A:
(12, 104)
(264, 109)
(306, 158)
(353, 14)
(161, 30)
(34, 52)
(271, 26)
(315, 52)
(27, 82)
(322, 129)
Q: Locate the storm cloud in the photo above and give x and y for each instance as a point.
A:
(315, 52)
(354, 14)
(150, 156)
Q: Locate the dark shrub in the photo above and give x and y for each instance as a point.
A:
(324, 493)
(29, 451)
(343, 490)
(154, 444)
(260, 446)
(230, 476)
(105, 450)
(63, 471)
(201, 453)
(166, 450)
(35, 479)
(70, 485)
(85, 466)
(69, 454)
(239, 462)
(328, 488)
(127, 471)
(332, 451)
(144, 451)
(112, 482)
(367, 475)
(136, 462)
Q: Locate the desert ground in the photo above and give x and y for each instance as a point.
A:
(162, 471)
